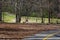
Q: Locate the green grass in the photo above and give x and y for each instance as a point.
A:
(10, 18)
(38, 20)
(7, 17)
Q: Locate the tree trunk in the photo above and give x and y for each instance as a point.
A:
(49, 11)
(18, 18)
(41, 13)
(49, 16)
(42, 18)
(18, 15)
(0, 11)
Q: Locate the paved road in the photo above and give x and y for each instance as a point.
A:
(46, 35)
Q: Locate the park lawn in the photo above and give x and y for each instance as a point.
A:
(7, 17)
(38, 20)
(10, 18)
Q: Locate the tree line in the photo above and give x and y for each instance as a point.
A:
(35, 8)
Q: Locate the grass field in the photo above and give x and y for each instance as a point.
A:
(10, 18)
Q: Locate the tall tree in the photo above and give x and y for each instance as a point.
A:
(0, 10)
(57, 9)
(41, 11)
(18, 13)
(50, 11)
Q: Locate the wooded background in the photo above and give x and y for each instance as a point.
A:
(31, 8)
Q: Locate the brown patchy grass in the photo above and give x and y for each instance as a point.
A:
(23, 30)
